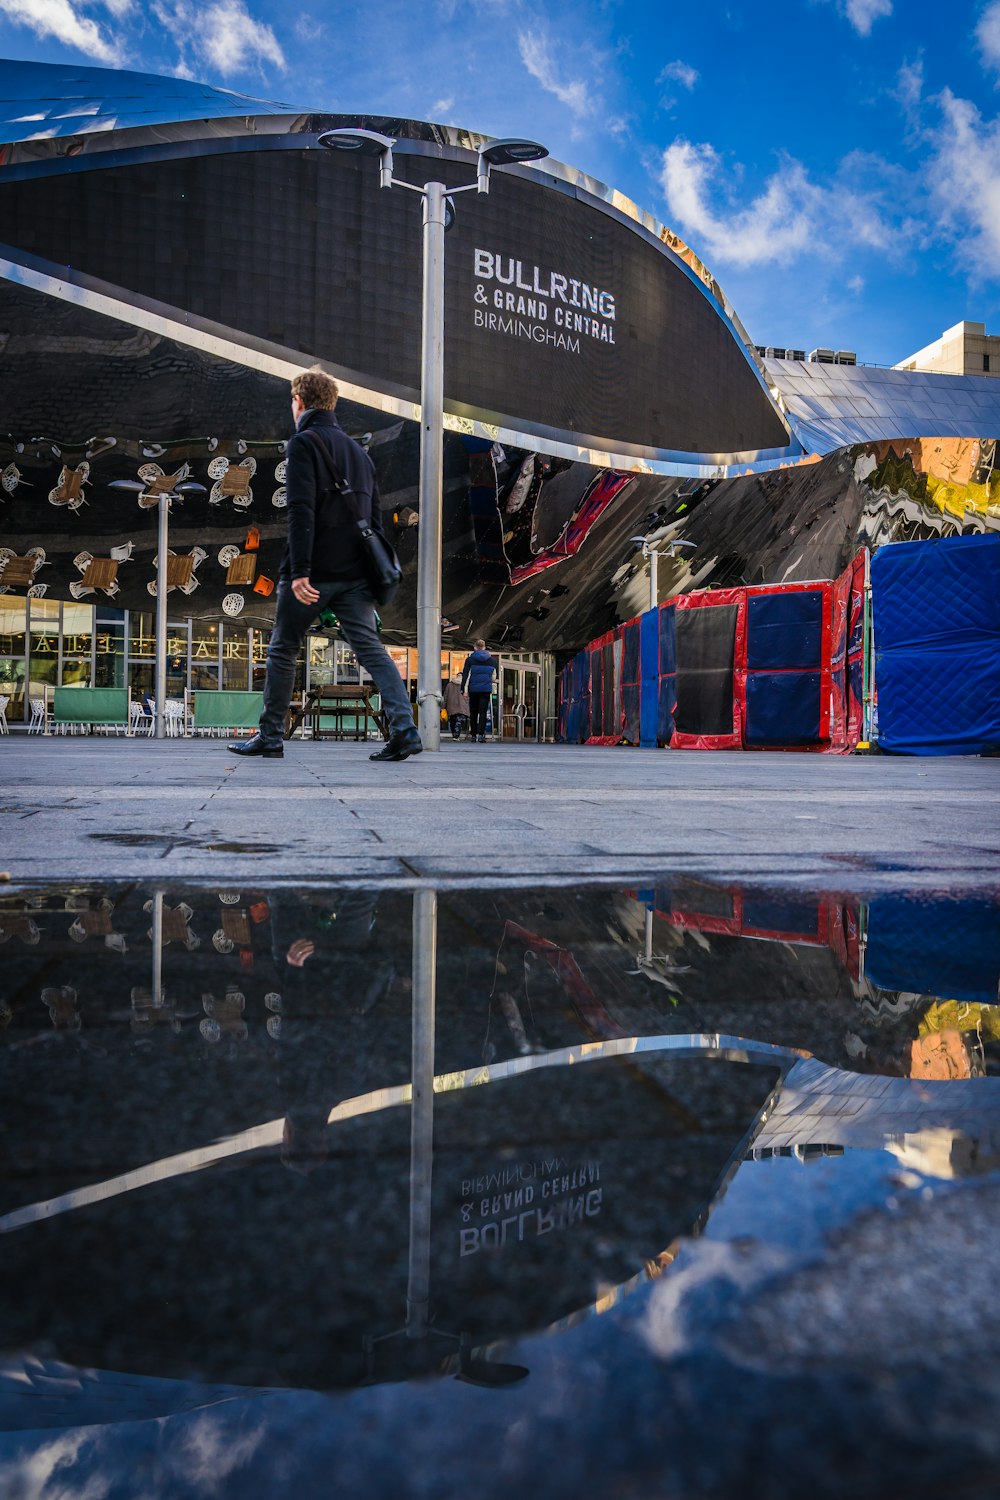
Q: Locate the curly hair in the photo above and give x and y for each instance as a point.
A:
(316, 389)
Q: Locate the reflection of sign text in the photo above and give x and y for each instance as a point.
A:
(526, 1201)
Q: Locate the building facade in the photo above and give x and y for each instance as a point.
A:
(599, 388)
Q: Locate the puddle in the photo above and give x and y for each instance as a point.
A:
(179, 841)
(297, 1185)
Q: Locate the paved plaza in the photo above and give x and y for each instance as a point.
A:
(113, 809)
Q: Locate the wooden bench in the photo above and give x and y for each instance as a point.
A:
(345, 711)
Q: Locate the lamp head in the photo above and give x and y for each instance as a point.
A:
(367, 143)
(511, 151)
(505, 153)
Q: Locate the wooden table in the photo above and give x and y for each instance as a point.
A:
(346, 701)
(180, 570)
(101, 572)
(236, 925)
(18, 572)
(235, 481)
(243, 569)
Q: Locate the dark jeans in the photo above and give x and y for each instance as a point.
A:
(478, 703)
(352, 604)
(458, 724)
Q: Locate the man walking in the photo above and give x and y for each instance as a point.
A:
(324, 566)
(478, 672)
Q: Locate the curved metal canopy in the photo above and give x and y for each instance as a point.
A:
(44, 101)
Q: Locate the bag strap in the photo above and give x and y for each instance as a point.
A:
(337, 480)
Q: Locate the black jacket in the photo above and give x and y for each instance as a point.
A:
(324, 543)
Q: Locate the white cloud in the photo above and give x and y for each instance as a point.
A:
(53, 1469)
(59, 20)
(679, 72)
(909, 87)
(537, 58)
(790, 218)
(988, 35)
(964, 181)
(863, 14)
(223, 35)
(440, 108)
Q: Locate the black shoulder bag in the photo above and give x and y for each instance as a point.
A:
(381, 563)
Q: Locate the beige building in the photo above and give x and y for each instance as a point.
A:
(966, 349)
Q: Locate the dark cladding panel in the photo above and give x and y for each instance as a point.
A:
(705, 646)
(558, 315)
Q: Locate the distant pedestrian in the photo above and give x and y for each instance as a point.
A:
(456, 706)
(478, 672)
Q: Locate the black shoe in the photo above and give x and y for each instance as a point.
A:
(256, 746)
(399, 745)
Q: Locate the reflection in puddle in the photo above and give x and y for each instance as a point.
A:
(329, 1139)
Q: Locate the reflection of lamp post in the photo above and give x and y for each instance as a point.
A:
(651, 554)
(438, 215)
(418, 1280)
(157, 949)
(164, 498)
(419, 1329)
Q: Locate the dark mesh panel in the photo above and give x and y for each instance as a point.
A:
(705, 643)
(610, 706)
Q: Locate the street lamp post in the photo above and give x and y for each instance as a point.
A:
(437, 217)
(651, 556)
(163, 500)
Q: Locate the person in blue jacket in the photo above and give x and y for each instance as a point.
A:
(477, 677)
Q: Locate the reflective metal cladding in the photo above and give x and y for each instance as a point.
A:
(600, 385)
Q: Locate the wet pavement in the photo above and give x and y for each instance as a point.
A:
(508, 814)
(686, 1189)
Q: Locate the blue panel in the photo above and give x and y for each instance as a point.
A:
(782, 708)
(649, 662)
(668, 640)
(949, 949)
(630, 712)
(784, 630)
(667, 704)
(936, 610)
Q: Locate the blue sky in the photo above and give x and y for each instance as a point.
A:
(835, 163)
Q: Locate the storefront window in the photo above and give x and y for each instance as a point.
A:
(43, 646)
(141, 654)
(13, 622)
(78, 641)
(205, 656)
(109, 670)
(322, 658)
(235, 658)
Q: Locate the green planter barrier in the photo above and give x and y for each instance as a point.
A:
(83, 705)
(223, 710)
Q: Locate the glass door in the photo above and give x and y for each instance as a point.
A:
(521, 696)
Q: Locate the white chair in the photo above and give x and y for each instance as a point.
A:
(173, 712)
(122, 553)
(139, 722)
(37, 722)
(4, 700)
